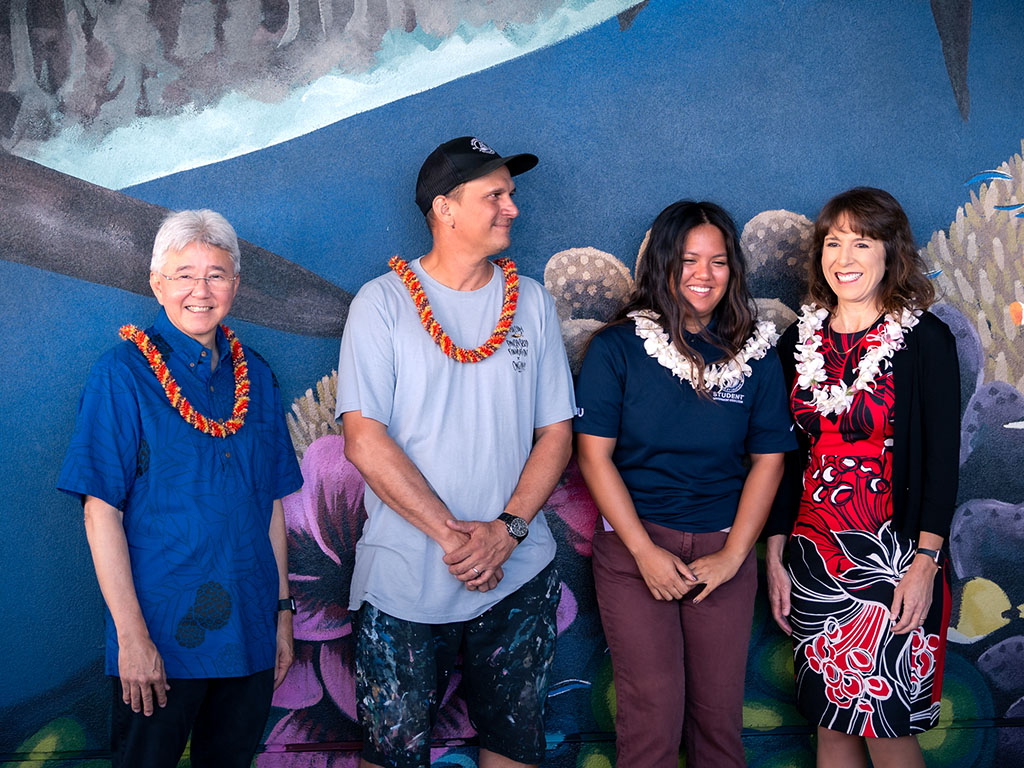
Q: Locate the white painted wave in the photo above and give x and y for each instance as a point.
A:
(407, 63)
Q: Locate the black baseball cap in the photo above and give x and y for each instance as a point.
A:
(458, 161)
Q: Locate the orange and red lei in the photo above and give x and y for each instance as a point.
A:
(443, 340)
(172, 389)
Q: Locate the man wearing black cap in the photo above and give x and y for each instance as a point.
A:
(456, 396)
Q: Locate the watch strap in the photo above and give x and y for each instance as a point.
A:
(286, 604)
(934, 554)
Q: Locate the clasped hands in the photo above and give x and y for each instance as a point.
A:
(669, 578)
(475, 552)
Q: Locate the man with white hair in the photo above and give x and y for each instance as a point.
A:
(181, 457)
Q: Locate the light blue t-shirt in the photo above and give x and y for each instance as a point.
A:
(468, 428)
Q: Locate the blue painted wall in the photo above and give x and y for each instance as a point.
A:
(757, 106)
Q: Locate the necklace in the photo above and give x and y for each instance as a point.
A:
(172, 389)
(844, 343)
(443, 340)
(810, 363)
(716, 376)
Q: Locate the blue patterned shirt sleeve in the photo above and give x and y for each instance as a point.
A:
(102, 459)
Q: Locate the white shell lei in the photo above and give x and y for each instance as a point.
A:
(810, 363)
(716, 376)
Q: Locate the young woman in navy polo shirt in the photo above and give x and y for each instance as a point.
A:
(682, 428)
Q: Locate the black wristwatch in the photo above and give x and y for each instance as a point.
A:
(286, 604)
(934, 554)
(517, 528)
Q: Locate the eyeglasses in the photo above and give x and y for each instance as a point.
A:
(188, 283)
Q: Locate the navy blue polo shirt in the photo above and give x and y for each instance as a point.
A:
(196, 508)
(681, 456)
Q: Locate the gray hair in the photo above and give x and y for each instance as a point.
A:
(183, 228)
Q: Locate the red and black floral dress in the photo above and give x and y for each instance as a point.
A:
(852, 673)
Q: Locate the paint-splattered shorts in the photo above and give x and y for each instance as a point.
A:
(403, 668)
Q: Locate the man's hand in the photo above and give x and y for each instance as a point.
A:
(279, 543)
(139, 664)
(141, 670)
(486, 584)
(285, 647)
(477, 563)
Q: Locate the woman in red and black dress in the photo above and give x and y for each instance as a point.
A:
(875, 393)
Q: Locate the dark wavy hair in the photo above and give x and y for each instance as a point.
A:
(876, 214)
(659, 272)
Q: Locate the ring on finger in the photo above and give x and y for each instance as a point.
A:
(476, 571)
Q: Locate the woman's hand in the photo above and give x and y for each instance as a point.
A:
(913, 595)
(779, 588)
(666, 575)
(714, 570)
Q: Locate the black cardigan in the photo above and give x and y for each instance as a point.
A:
(926, 434)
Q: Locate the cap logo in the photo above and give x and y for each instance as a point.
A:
(479, 146)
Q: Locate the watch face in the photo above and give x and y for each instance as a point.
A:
(517, 526)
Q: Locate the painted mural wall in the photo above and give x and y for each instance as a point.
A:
(305, 124)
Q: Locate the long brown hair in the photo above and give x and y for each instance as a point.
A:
(660, 270)
(876, 214)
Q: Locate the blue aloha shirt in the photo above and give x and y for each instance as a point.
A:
(196, 508)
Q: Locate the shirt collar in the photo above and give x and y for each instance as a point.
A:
(711, 328)
(184, 345)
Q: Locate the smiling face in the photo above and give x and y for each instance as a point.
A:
(483, 213)
(195, 310)
(705, 275)
(853, 264)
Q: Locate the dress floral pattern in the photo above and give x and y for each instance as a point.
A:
(852, 673)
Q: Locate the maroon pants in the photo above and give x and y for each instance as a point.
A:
(678, 667)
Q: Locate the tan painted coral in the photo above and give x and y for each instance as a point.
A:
(587, 283)
(312, 414)
(777, 312)
(588, 286)
(982, 262)
(777, 245)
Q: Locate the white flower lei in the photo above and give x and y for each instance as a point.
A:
(836, 398)
(717, 375)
